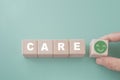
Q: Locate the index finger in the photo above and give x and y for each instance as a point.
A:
(113, 37)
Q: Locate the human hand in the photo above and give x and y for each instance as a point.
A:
(110, 62)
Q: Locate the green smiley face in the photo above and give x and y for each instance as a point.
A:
(100, 47)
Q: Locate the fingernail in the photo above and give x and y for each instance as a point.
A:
(99, 61)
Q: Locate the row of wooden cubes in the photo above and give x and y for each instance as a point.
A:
(53, 48)
(63, 48)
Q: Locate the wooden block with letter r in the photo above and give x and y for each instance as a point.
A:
(61, 48)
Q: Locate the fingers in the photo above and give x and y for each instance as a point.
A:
(114, 37)
(109, 62)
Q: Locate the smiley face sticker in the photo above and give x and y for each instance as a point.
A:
(100, 47)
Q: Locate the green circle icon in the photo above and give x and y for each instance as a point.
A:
(100, 47)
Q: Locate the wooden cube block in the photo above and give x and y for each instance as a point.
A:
(30, 48)
(98, 48)
(77, 48)
(45, 48)
(61, 48)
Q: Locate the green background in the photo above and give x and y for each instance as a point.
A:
(56, 19)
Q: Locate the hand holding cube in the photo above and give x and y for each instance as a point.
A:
(98, 49)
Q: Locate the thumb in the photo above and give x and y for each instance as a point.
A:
(109, 62)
